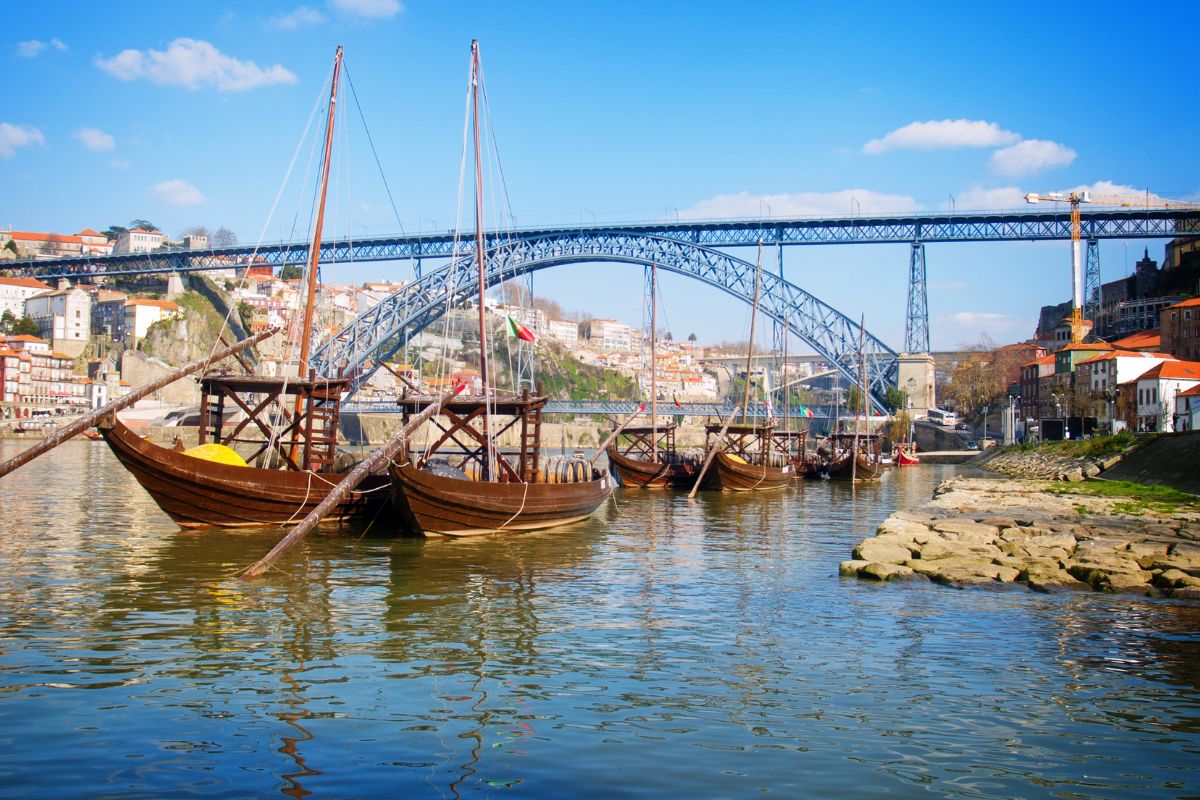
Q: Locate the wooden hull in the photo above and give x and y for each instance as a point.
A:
(734, 476)
(434, 505)
(633, 473)
(903, 459)
(843, 469)
(201, 494)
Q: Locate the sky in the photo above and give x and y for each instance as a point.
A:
(195, 114)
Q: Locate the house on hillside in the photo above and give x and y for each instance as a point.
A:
(1157, 390)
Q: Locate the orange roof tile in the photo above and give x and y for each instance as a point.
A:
(25, 337)
(1147, 338)
(89, 232)
(1195, 301)
(1174, 370)
(1124, 354)
(145, 301)
(28, 283)
(1192, 392)
(1092, 346)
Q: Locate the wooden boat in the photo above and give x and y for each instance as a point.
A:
(287, 436)
(644, 457)
(855, 457)
(744, 460)
(196, 493)
(907, 456)
(93, 435)
(473, 489)
(479, 489)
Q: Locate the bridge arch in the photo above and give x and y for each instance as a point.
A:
(381, 331)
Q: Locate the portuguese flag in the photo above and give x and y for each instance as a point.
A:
(518, 330)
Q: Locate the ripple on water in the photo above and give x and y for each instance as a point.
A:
(667, 647)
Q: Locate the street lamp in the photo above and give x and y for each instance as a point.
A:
(983, 444)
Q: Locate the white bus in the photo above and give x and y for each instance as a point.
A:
(941, 417)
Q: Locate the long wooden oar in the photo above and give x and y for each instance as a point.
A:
(713, 452)
(354, 477)
(88, 420)
(617, 432)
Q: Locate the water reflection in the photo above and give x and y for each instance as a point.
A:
(667, 648)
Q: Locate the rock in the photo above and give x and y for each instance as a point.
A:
(941, 549)
(1073, 475)
(885, 552)
(1091, 470)
(1111, 461)
(849, 569)
(1171, 578)
(1184, 556)
(1052, 580)
(966, 529)
(887, 572)
(999, 522)
(1125, 583)
(905, 529)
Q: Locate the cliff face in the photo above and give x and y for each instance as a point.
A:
(188, 336)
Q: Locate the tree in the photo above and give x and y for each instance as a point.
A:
(291, 272)
(115, 232)
(667, 336)
(223, 237)
(25, 326)
(144, 224)
(896, 399)
(12, 245)
(692, 337)
(7, 321)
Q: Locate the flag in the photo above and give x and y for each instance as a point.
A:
(677, 403)
(806, 412)
(518, 330)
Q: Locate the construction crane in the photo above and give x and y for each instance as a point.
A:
(1075, 199)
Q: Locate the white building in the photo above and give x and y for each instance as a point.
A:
(1109, 370)
(138, 241)
(141, 313)
(1187, 410)
(610, 335)
(563, 331)
(15, 291)
(64, 316)
(1157, 390)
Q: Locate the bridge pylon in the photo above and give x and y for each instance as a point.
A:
(916, 323)
(1091, 284)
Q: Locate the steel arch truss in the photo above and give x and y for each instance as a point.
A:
(360, 347)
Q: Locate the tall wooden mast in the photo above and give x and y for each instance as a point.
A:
(480, 254)
(753, 320)
(653, 362)
(314, 255)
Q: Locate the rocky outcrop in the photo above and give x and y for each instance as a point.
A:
(1042, 465)
(991, 532)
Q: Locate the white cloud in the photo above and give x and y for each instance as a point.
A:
(32, 48)
(979, 199)
(176, 193)
(119, 163)
(943, 134)
(193, 63)
(95, 140)
(371, 9)
(847, 202)
(302, 17)
(14, 136)
(1030, 156)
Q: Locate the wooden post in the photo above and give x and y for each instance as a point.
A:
(88, 420)
(368, 465)
(711, 454)
(617, 432)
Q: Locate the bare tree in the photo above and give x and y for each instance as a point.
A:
(223, 237)
(196, 230)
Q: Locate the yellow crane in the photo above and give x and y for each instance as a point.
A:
(1075, 199)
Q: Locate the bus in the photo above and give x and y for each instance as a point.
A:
(941, 417)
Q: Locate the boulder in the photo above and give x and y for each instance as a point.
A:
(1047, 579)
(849, 569)
(1126, 583)
(885, 552)
(887, 572)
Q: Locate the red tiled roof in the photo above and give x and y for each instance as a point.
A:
(1135, 341)
(1124, 354)
(1195, 301)
(1192, 392)
(1093, 346)
(145, 301)
(28, 283)
(25, 337)
(89, 232)
(1174, 370)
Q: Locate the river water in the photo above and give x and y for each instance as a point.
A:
(665, 648)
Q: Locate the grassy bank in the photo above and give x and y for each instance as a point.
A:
(1096, 447)
(1136, 498)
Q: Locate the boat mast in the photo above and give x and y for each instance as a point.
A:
(750, 347)
(479, 251)
(653, 363)
(858, 400)
(314, 255)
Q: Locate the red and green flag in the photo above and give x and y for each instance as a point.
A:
(520, 331)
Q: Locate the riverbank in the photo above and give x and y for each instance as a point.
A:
(1046, 535)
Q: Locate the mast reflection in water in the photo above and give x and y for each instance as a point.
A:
(663, 648)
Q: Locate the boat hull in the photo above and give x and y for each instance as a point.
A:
(632, 473)
(903, 459)
(734, 476)
(844, 469)
(435, 505)
(203, 494)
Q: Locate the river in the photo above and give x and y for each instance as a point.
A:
(664, 648)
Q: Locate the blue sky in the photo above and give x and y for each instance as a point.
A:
(189, 114)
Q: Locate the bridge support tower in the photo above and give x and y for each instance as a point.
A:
(916, 323)
(1091, 284)
(916, 379)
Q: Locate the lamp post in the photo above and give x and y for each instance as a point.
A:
(1112, 402)
(983, 444)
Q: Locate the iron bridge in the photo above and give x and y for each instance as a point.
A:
(624, 408)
